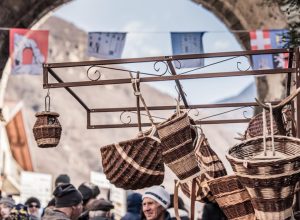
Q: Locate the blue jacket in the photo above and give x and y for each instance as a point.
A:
(134, 206)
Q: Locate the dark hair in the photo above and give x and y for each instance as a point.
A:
(31, 200)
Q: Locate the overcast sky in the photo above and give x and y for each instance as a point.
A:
(149, 24)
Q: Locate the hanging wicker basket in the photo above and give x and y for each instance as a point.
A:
(47, 129)
(177, 137)
(270, 183)
(232, 198)
(133, 164)
(211, 167)
(136, 163)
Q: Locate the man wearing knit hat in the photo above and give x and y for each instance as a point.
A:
(68, 203)
(156, 201)
(6, 204)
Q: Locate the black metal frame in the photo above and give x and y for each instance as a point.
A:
(49, 68)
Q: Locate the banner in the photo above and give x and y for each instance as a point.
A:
(28, 50)
(268, 39)
(106, 45)
(187, 43)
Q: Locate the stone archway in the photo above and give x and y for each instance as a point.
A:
(21, 14)
(235, 14)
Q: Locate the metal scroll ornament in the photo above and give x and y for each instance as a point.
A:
(47, 129)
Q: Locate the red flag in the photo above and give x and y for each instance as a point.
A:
(268, 39)
(28, 50)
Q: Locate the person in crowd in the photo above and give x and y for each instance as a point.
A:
(6, 204)
(20, 212)
(211, 211)
(68, 203)
(62, 178)
(50, 206)
(100, 210)
(181, 209)
(156, 201)
(89, 192)
(134, 207)
(34, 206)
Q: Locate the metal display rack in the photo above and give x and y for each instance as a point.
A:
(171, 73)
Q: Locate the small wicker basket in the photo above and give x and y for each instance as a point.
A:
(47, 129)
(176, 136)
(211, 167)
(232, 198)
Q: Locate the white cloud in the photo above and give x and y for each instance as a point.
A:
(221, 45)
(142, 41)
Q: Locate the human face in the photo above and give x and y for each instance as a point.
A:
(152, 209)
(76, 211)
(33, 208)
(5, 211)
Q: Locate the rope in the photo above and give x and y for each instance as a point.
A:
(272, 130)
(138, 93)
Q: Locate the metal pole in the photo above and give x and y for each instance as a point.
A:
(182, 94)
(297, 106)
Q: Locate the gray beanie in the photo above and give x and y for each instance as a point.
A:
(9, 202)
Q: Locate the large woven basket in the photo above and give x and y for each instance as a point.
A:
(47, 129)
(211, 167)
(176, 136)
(133, 164)
(232, 198)
(269, 182)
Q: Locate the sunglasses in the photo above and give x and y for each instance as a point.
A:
(32, 205)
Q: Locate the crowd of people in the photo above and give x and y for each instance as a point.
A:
(69, 203)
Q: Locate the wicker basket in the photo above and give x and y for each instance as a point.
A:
(211, 167)
(270, 183)
(47, 129)
(232, 198)
(176, 136)
(133, 164)
(255, 126)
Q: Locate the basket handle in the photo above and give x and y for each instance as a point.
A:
(265, 131)
(135, 85)
(175, 202)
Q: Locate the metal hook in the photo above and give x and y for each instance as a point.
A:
(47, 101)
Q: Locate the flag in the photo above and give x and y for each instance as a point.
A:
(188, 43)
(268, 39)
(28, 50)
(106, 44)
